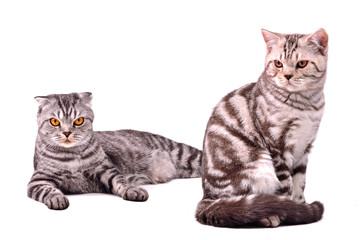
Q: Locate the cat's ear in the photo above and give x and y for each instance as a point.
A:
(319, 40)
(42, 100)
(86, 98)
(270, 38)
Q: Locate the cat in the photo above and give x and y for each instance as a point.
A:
(71, 158)
(258, 139)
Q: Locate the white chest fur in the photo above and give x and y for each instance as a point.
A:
(297, 129)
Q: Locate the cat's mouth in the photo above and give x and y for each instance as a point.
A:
(296, 82)
(292, 85)
(67, 143)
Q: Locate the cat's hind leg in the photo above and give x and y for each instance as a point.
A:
(264, 181)
(261, 174)
(114, 181)
(138, 179)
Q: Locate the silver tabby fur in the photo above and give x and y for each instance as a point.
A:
(71, 159)
(259, 137)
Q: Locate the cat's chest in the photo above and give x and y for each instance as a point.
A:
(293, 132)
(73, 177)
(76, 182)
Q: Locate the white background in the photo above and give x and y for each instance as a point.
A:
(161, 66)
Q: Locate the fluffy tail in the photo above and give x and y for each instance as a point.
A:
(267, 210)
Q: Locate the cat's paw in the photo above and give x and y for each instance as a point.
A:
(135, 194)
(57, 202)
(272, 221)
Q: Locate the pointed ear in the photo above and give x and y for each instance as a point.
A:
(42, 100)
(86, 98)
(319, 39)
(270, 38)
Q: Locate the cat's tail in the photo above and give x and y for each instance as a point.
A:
(179, 161)
(265, 210)
(187, 161)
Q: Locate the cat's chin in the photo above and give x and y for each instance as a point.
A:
(68, 144)
(288, 86)
(292, 87)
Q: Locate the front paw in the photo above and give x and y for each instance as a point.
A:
(135, 194)
(57, 202)
(272, 221)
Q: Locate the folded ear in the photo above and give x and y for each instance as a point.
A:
(42, 100)
(319, 39)
(86, 98)
(270, 38)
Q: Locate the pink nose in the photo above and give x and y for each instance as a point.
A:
(67, 134)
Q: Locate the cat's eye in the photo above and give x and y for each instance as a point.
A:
(302, 63)
(278, 64)
(79, 121)
(54, 122)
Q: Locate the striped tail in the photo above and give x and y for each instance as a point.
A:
(187, 161)
(266, 210)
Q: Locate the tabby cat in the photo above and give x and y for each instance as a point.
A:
(72, 158)
(259, 136)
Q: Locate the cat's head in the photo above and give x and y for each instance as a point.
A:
(296, 62)
(65, 120)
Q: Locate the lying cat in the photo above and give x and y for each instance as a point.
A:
(259, 137)
(72, 158)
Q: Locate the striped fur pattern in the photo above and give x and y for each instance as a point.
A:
(259, 137)
(71, 158)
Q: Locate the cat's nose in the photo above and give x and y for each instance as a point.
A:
(67, 134)
(288, 76)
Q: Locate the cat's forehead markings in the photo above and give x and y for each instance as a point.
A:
(76, 114)
(282, 56)
(60, 114)
(70, 111)
(291, 44)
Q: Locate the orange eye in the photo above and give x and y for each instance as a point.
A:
(54, 122)
(79, 121)
(278, 64)
(302, 63)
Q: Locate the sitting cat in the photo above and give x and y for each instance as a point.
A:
(72, 158)
(258, 139)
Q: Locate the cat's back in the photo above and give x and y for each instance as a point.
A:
(122, 145)
(151, 154)
(231, 123)
(129, 139)
(236, 98)
(233, 110)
